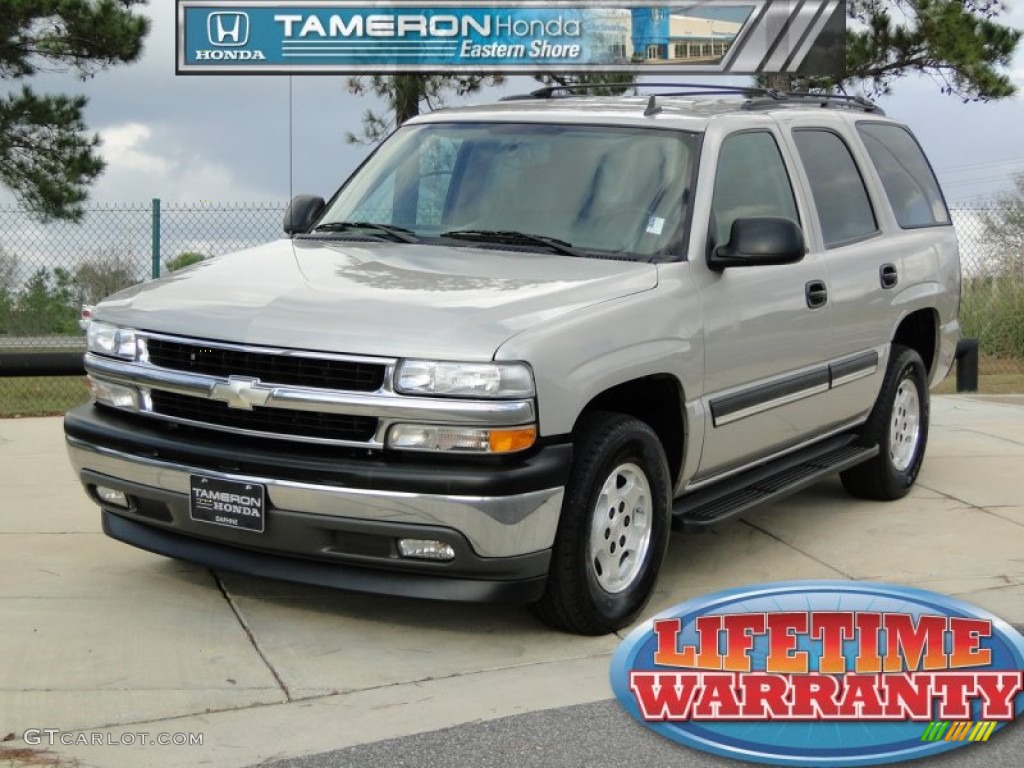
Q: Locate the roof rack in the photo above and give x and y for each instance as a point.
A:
(802, 98)
(757, 97)
(681, 89)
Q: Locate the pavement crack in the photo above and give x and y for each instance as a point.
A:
(988, 510)
(792, 546)
(252, 637)
(989, 435)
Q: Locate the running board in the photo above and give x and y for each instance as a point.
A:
(768, 482)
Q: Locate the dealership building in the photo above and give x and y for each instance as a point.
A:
(663, 35)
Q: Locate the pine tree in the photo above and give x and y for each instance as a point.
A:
(615, 83)
(959, 44)
(47, 158)
(406, 97)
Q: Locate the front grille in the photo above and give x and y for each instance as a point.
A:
(270, 368)
(324, 426)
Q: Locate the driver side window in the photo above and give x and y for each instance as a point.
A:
(751, 180)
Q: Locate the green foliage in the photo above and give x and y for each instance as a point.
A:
(103, 275)
(992, 311)
(1003, 232)
(406, 97)
(8, 282)
(959, 44)
(182, 260)
(42, 306)
(49, 302)
(46, 157)
(619, 82)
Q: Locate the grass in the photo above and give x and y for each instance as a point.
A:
(992, 311)
(994, 384)
(996, 376)
(40, 395)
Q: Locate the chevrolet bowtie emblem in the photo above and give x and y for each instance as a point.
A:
(240, 392)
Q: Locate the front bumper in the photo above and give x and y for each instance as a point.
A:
(331, 519)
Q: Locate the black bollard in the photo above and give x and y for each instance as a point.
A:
(967, 365)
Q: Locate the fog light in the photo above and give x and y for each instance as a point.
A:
(111, 496)
(425, 549)
(425, 437)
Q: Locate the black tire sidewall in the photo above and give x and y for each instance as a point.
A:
(638, 446)
(908, 367)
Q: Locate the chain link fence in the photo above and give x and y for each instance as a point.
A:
(49, 270)
(992, 298)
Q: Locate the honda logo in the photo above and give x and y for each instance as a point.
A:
(228, 29)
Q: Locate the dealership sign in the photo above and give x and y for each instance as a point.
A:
(823, 673)
(735, 36)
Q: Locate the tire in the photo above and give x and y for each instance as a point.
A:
(898, 425)
(614, 527)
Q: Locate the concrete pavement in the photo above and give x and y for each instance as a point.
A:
(107, 641)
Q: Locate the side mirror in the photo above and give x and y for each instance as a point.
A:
(302, 211)
(759, 241)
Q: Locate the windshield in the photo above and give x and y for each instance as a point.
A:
(595, 188)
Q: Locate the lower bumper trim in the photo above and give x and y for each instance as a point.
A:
(338, 576)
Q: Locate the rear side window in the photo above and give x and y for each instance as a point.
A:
(909, 182)
(839, 195)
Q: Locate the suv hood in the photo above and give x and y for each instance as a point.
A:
(398, 300)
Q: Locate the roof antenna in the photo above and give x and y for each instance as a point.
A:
(652, 107)
(291, 142)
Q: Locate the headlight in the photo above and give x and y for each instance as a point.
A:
(429, 377)
(105, 339)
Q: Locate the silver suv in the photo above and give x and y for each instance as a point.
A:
(525, 340)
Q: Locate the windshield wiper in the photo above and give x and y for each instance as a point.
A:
(515, 238)
(398, 234)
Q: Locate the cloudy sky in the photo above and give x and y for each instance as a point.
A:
(219, 138)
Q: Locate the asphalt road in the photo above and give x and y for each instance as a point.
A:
(599, 735)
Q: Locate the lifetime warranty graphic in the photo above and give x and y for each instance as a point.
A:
(736, 36)
(814, 673)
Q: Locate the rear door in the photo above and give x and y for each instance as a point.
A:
(858, 262)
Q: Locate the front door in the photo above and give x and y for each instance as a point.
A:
(766, 328)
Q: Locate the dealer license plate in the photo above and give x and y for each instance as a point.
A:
(227, 502)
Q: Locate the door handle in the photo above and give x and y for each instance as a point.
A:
(888, 275)
(816, 293)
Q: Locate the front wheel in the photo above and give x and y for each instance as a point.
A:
(613, 530)
(898, 425)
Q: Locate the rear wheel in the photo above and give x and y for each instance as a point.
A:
(898, 424)
(613, 529)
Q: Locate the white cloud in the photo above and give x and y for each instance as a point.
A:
(122, 148)
(144, 161)
(1017, 72)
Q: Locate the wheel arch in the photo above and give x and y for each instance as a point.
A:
(919, 330)
(658, 401)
